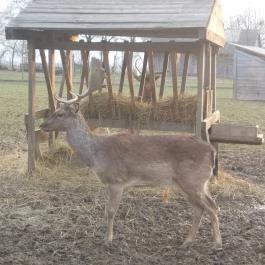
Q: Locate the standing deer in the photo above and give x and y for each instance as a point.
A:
(147, 88)
(96, 75)
(124, 160)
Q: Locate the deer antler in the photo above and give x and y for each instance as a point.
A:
(75, 98)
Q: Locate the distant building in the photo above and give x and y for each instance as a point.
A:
(249, 73)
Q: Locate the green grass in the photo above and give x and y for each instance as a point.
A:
(14, 97)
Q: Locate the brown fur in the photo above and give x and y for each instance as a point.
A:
(124, 160)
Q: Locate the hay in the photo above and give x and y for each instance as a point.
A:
(121, 108)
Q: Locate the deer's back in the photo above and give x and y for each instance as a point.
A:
(138, 158)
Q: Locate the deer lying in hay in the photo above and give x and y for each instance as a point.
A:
(124, 160)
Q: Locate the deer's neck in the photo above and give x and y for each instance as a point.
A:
(81, 140)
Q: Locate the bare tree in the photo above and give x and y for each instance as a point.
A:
(248, 21)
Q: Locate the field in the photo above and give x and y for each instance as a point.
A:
(56, 216)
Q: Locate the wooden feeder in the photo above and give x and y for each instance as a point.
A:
(189, 27)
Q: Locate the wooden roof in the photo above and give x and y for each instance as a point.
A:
(200, 19)
(252, 50)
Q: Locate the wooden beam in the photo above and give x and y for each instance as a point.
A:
(184, 74)
(181, 47)
(174, 78)
(164, 74)
(130, 76)
(200, 87)
(65, 64)
(213, 77)
(84, 73)
(108, 73)
(48, 80)
(143, 75)
(123, 70)
(236, 134)
(31, 106)
(152, 76)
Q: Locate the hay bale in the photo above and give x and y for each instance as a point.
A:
(120, 108)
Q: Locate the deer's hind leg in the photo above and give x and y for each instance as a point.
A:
(197, 215)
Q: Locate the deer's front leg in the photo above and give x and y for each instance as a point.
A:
(112, 205)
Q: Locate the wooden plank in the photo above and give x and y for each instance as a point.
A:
(213, 77)
(164, 74)
(65, 64)
(174, 78)
(143, 76)
(48, 80)
(184, 73)
(200, 87)
(31, 106)
(123, 70)
(108, 73)
(152, 76)
(84, 72)
(181, 46)
(106, 29)
(230, 133)
(130, 77)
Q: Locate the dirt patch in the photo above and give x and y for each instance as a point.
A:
(59, 220)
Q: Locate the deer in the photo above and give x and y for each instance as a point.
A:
(147, 88)
(127, 160)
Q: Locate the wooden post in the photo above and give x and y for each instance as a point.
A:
(185, 73)
(152, 76)
(67, 77)
(143, 75)
(174, 78)
(207, 108)
(164, 74)
(53, 87)
(200, 87)
(31, 105)
(108, 73)
(213, 86)
(213, 76)
(48, 80)
(130, 76)
(85, 70)
(123, 70)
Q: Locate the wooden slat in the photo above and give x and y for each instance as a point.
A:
(200, 88)
(123, 70)
(48, 80)
(84, 73)
(230, 133)
(184, 74)
(65, 64)
(180, 46)
(143, 76)
(130, 76)
(108, 73)
(174, 77)
(164, 74)
(152, 76)
(31, 106)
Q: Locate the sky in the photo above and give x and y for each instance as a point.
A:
(234, 7)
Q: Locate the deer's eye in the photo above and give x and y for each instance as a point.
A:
(59, 114)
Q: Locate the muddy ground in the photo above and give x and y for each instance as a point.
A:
(60, 221)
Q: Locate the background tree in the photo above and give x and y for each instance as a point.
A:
(248, 21)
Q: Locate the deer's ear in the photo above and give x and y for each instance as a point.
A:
(75, 107)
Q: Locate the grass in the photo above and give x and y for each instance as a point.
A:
(13, 106)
